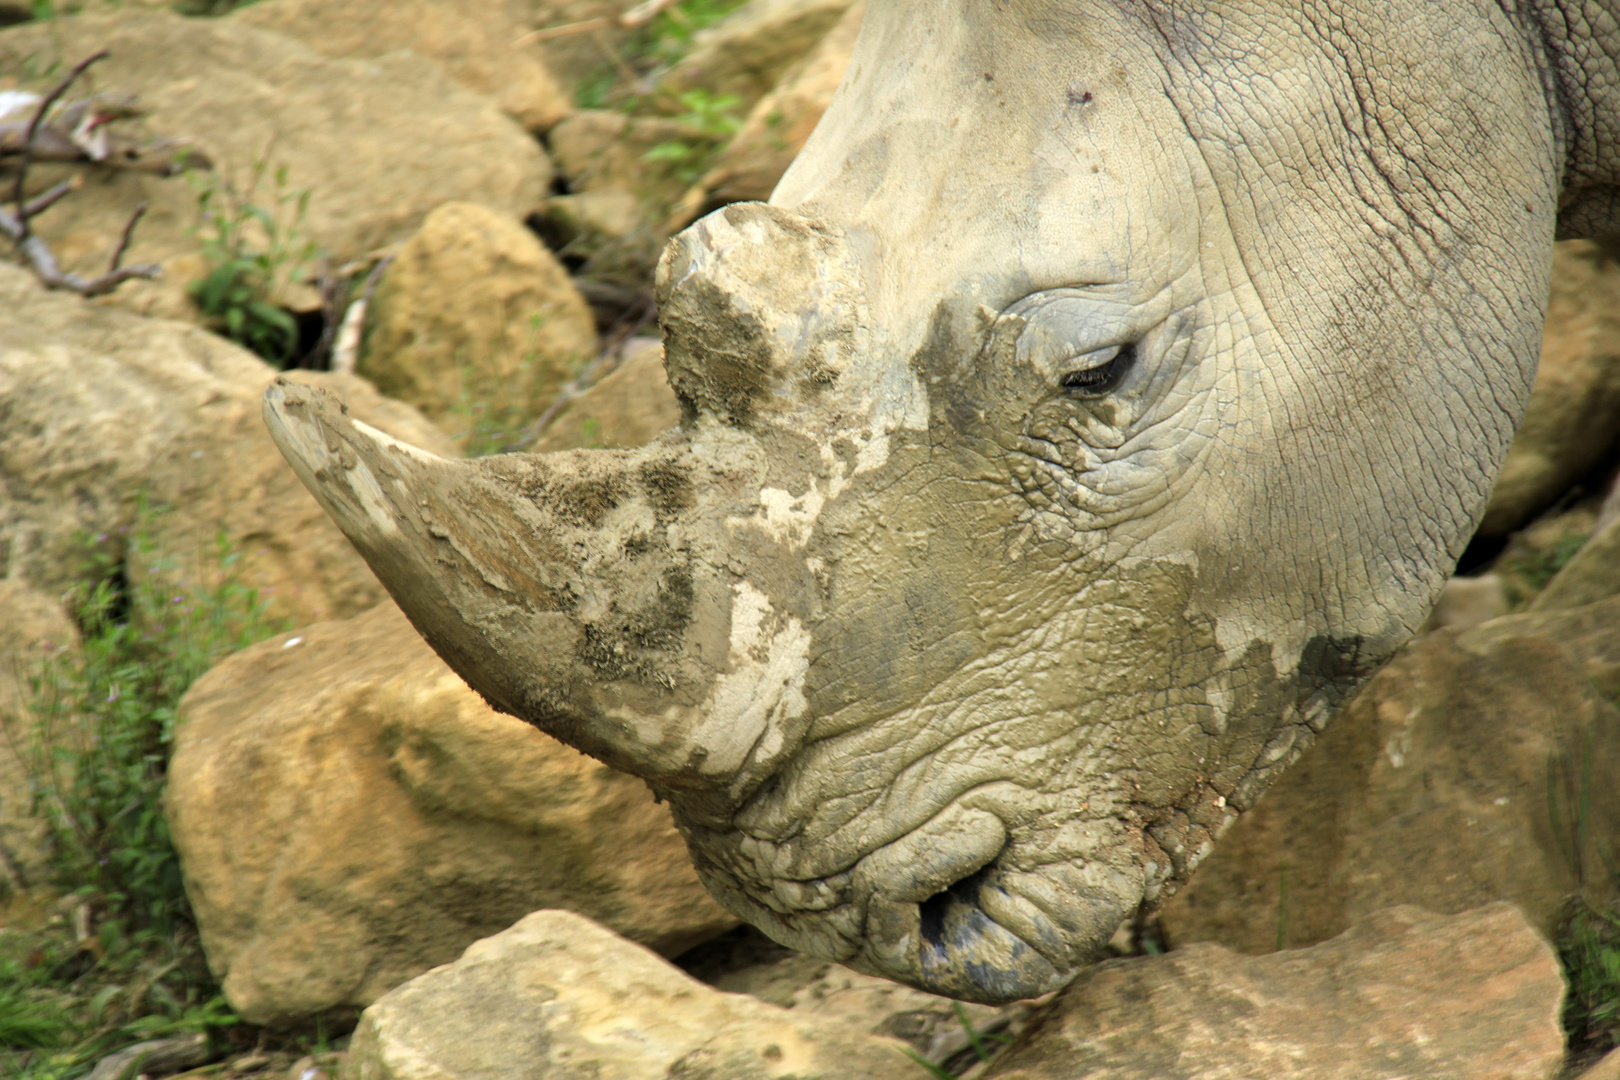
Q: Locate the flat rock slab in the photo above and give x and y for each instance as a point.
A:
(1405, 994)
(559, 997)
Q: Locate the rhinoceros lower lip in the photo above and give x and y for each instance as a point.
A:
(965, 952)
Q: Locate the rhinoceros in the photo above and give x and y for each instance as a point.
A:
(1103, 395)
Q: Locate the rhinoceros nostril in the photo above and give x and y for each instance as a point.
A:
(941, 915)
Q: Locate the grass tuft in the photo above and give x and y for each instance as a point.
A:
(117, 960)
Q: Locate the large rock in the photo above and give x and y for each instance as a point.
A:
(746, 54)
(1607, 1069)
(349, 814)
(103, 407)
(377, 142)
(477, 324)
(559, 997)
(476, 45)
(33, 630)
(780, 123)
(1435, 786)
(1403, 994)
(1574, 413)
(628, 408)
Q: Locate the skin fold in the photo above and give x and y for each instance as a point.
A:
(1103, 396)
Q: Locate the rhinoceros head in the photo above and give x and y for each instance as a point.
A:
(1104, 394)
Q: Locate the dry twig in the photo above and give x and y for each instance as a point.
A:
(16, 223)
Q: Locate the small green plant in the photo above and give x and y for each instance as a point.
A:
(96, 743)
(1589, 947)
(985, 1046)
(711, 120)
(256, 253)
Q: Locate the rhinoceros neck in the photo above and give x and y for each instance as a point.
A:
(1578, 45)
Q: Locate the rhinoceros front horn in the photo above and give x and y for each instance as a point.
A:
(559, 586)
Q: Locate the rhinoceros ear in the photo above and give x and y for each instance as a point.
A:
(454, 545)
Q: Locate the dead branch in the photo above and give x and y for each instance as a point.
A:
(346, 348)
(38, 118)
(86, 125)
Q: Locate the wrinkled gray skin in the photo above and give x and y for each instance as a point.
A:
(946, 667)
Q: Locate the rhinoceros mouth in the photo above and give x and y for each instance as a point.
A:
(965, 952)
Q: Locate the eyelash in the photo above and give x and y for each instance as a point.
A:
(1102, 379)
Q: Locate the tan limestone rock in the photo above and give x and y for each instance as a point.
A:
(104, 407)
(779, 124)
(349, 814)
(1432, 788)
(1590, 575)
(33, 629)
(746, 53)
(477, 45)
(1607, 1069)
(476, 324)
(557, 996)
(378, 142)
(628, 408)
(1404, 993)
(1467, 602)
(1574, 413)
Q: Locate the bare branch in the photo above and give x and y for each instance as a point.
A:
(45, 104)
(53, 194)
(49, 271)
(123, 241)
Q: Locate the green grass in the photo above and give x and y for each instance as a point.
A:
(118, 959)
(1589, 947)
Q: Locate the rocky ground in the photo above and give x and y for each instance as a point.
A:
(449, 214)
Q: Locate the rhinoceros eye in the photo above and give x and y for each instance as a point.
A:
(1099, 372)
